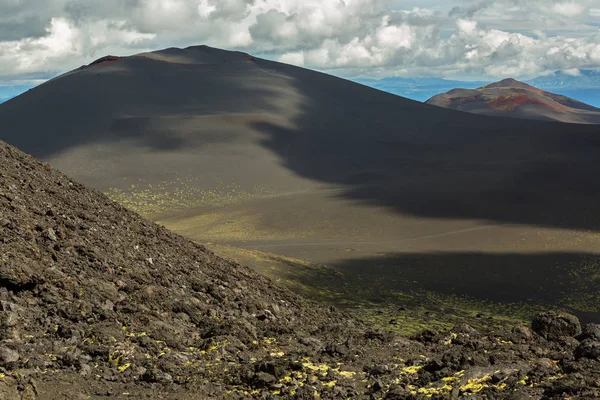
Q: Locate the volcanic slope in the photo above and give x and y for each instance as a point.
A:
(511, 98)
(96, 301)
(227, 148)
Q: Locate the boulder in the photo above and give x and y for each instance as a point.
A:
(554, 325)
(588, 349)
(590, 331)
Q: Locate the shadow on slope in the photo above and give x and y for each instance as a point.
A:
(568, 280)
(148, 102)
(439, 163)
(372, 299)
(422, 290)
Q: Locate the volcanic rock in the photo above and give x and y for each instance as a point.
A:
(553, 325)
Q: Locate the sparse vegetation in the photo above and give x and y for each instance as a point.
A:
(162, 199)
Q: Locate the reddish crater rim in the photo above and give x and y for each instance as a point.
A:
(105, 59)
(511, 101)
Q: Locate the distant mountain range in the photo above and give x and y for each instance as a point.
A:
(584, 87)
(419, 89)
(587, 79)
(511, 98)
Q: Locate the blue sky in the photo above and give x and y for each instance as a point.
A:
(464, 39)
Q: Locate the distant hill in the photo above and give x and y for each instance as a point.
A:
(512, 98)
(584, 86)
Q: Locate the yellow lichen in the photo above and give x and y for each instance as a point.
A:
(435, 390)
(475, 385)
(524, 381)
(123, 367)
(413, 369)
(217, 345)
(323, 368)
(554, 377)
(451, 379)
(452, 337)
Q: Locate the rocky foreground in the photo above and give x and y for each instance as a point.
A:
(96, 301)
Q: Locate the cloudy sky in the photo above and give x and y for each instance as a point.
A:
(465, 39)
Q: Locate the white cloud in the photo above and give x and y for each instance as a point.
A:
(409, 37)
(205, 9)
(572, 72)
(467, 27)
(62, 37)
(295, 58)
(394, 36)
(569, 9)
(63, 43)
(163, 15)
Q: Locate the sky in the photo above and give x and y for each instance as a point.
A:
(457, 39)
